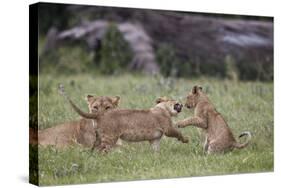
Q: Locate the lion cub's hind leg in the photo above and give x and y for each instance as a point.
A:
(155, 144)
(154, 138)
(119, 142)
(216, 146)
(206, 145)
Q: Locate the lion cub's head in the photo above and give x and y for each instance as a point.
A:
(193, 97)
(172, 106)
(102, 104)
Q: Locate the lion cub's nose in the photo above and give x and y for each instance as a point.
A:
(178, 107)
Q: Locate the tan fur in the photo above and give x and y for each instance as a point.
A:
(137, 125)
(218, 136)
(82, 131)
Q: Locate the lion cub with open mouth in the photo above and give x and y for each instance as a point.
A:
(219, 137)
(82, 131)
(136, 125)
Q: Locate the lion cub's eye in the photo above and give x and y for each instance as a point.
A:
(108, 107)
(95, 107)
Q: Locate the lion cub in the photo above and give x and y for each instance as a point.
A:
(136, 125)
(219, 137)
(82, 131)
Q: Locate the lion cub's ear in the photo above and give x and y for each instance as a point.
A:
(90, 98)
(161, 99)
(195, 89)
(115, 100)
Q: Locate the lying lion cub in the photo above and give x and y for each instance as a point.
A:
(136, 125)
(219, 137)
(81, 131)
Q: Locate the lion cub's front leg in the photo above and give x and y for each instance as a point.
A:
(173, 132)
(195, 121)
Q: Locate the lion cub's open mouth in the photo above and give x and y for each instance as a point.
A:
(178, 107)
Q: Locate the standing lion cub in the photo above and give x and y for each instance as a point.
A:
(219, 137)
(135, 125)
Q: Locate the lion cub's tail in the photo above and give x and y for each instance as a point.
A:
(76, 108)
(242, 145)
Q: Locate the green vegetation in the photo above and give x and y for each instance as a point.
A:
(67, 60)
(168, 62)
(245, 106)
(33, 101)
(33, 123)
(114, 55)
(172, 66)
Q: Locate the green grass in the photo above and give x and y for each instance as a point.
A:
(245, 106)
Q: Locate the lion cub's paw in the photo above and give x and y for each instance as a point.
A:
(179, 124)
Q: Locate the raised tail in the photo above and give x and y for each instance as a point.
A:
(242, 145)
(77, 109)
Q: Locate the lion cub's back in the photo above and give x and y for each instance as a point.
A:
(133, 119)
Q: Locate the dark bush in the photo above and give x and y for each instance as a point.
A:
(53, 15)
(167, 60)
(114, 54)
(68, 60)
(171, 65)
(255, 71)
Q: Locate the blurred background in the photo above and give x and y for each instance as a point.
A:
(75, 39)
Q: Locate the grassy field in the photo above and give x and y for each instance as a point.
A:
(245, 106)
